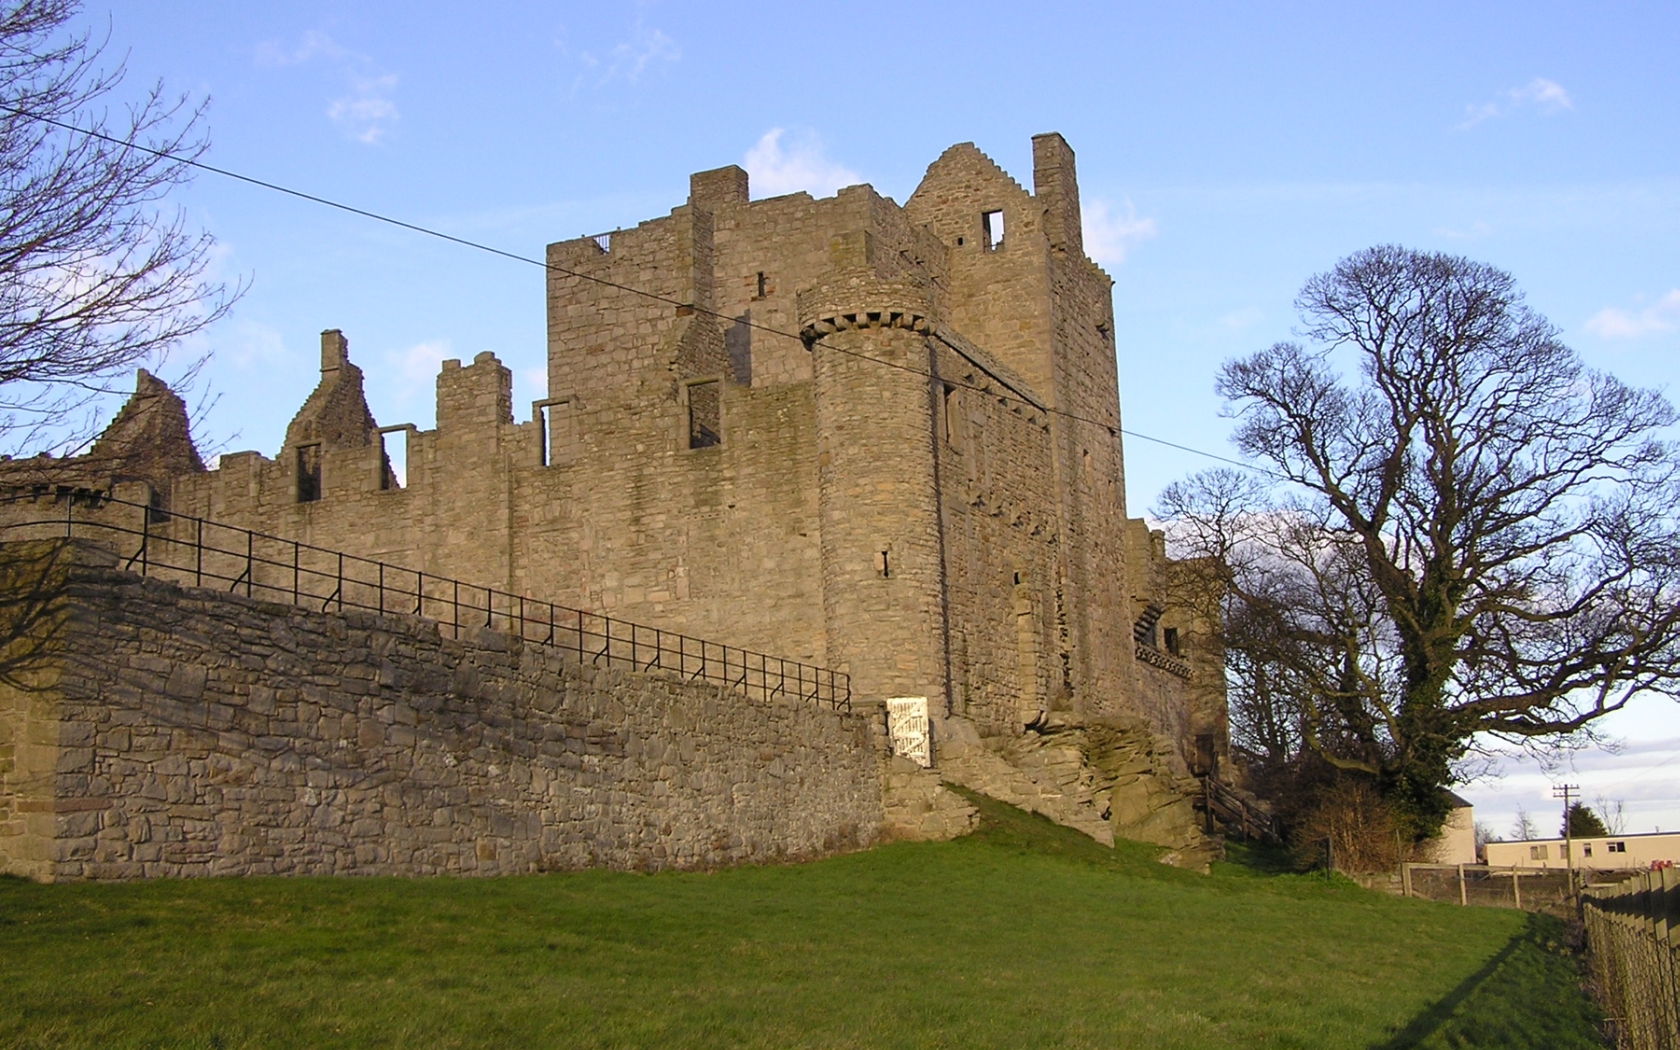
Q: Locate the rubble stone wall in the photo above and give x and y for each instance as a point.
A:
(170, 731)
(913, 470)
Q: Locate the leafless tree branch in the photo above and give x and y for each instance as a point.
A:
(1481, 534)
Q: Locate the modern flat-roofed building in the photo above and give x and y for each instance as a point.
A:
(1600, 853)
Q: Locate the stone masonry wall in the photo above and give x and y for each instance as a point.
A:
(916, 476)
(183, 732)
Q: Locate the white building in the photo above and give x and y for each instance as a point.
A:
(1456, 843)
(1602, 853)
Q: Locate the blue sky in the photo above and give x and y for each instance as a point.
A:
(1226, 153)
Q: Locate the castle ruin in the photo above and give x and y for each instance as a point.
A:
(873, 437)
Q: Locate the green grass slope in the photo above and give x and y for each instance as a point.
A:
(1021, 935)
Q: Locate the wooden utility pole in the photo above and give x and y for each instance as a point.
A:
(1567, 792)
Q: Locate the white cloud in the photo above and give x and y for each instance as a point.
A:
(1110, 236)
(1475, 231)
(367, 111)
(1548, 96)
(537, 380)
(625, 61)
(1661, 316)
(415, 369)
(1240, 320)
(773, 170)
(251, 345)
(313, 44)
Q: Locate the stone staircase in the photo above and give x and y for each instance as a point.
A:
(1051, 782)
(1107, 780)
(918, 807)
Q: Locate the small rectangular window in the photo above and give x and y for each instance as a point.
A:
(1586, 850)
(951, 406)
(763, 286)
(991, 224)
(556, 431)
(1169, 638)
(393, 458)
(1615, 847)
(1538, 853)
(308, 473)
(705, 422)
(882, 565)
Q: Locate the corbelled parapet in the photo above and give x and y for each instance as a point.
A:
(855, 296)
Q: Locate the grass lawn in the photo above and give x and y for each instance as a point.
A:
(1021, 935)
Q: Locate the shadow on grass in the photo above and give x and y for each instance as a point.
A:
(1257, 858)
(1497, 1006)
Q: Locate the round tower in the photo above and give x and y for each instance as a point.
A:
(878, 505)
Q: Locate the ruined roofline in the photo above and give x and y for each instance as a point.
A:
(731, 184)
(335, 414)
(956, 152)
(148, 441)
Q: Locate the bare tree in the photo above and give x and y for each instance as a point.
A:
(1484, 833)
(1523, 829)
(1478, 535)
(1613, 812)
(96, 274)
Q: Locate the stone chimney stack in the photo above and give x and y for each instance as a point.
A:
(1056, 186)
(335, 350)
(707, 189)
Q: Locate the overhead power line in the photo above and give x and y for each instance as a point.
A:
(1111, 427)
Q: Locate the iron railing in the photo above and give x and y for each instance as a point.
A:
(199, 552)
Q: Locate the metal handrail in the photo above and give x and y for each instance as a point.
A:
(194, 551)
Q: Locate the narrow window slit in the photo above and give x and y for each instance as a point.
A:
(705, 424)
(393, 459)
(308, 473)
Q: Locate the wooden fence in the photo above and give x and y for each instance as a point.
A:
(1531, 889)
(1633, 937)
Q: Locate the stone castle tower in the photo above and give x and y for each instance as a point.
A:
(877, 437)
